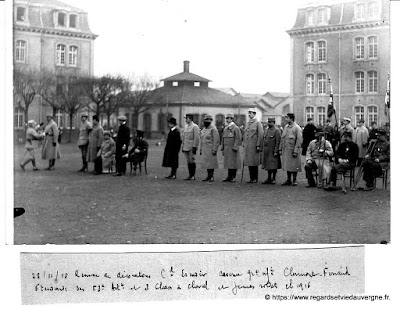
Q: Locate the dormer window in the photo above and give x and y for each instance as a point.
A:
(197, 84)
(323, 16)
(72, 20)
(359, 11)
(21, 14)
(61, 20)
(310, 18)
(373, 10)
(175, 84)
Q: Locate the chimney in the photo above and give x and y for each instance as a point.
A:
(186, 66)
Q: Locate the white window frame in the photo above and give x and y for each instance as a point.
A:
(59, 118)
(321, 115)
(309, 112)
(321, 49)
(372, 47)
(359, 81)
(372, 116)
(373, 14)
(196, 84)
(310, 83)
(61, 51)
(175, 84)
(310, 18)
(322, 81)
(359, 113)
(309, 52)
(359, 48)
(374, 81)
(20, 51)
(323, 16)
(19, 116)
(359, 11)
(73, 56)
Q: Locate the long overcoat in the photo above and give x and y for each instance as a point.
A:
(231, 142)
(50, 152)
(271, 141)
(95, 140)
(361, 138)
(291, 142)
(172, 148)
(107, 152)
(308, 136)
(253, 136)
(209, 143)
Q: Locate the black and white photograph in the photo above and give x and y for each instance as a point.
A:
(172, 122)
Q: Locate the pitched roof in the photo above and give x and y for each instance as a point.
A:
(186, 76)
(198, 95)
(53, 3)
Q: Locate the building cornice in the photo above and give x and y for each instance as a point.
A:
(336, 28)
(56, 32)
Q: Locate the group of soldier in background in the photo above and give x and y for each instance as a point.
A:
(329, 151)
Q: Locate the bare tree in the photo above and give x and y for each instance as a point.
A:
(26, 86)
(71, 97)
(51, 86)
(139, 96)
(101, 91)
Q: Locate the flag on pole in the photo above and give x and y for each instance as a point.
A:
(331, 107)
(387, 96)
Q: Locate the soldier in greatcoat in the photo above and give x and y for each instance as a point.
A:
(83, 140)
(231, 142)
(209, 143)
(271, 160)
(346, 127)
(51, 149)
(190, 144)
(253, 136)
(290, 148)
(32, 136)
(361, 139)
(172, 148)
(95, 140)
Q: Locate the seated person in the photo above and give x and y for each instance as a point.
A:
(346, 159)
(318, 155)
(138, 152)
(106, 154)
(376, 161)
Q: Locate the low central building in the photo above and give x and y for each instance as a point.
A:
(188, 93)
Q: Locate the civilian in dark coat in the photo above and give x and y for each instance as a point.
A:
(308, 135)
(138, 152)
(122, 143)
(172, 148)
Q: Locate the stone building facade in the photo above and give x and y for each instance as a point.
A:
(348, 43)
(50, 36)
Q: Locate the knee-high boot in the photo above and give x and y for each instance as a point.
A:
(25, 163)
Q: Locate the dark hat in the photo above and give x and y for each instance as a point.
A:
(361, 120)
(107, 133)
(172, 120)
(208, 117)
(84, 115)
(380, 132)
(139, 133)
(347, 134)
(271, 119)
(290, 115)
(229, 116)
(189, 116)
(308, 119)
(95, 117)
(122, 118)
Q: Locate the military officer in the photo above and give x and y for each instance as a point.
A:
(231, 141)
(190, 144)
(209, 143)
(290, 149)
(253, 136)
(346, 127)
(51, 150)
(31, 145)
(376, 161)
(122, 144)
(83, 140)
(271, 160)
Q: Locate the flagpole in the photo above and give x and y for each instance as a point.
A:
(331, 107)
